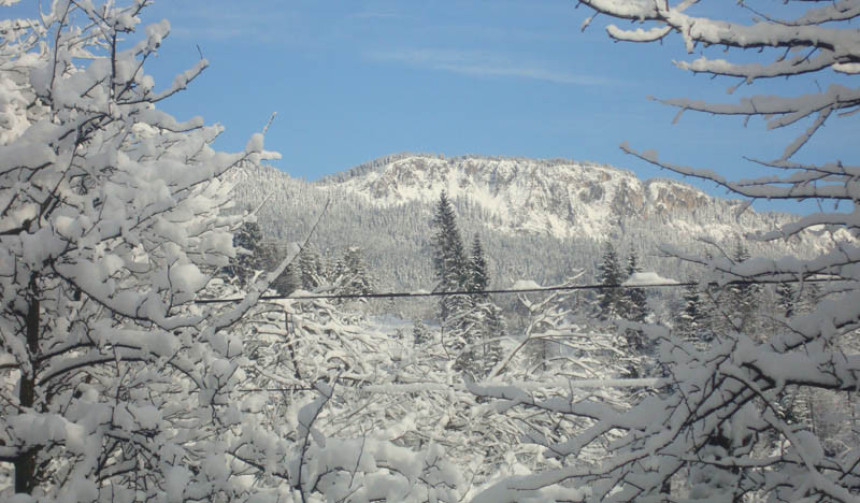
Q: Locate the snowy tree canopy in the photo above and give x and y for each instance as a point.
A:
(719, 429)
(820, 39)
(112, 379)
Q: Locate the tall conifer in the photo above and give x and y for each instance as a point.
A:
(478, 276)
(610, 275)
(743, 298)
(635, 304)
(449, 258)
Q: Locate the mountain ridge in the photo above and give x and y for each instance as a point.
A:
(539, 219)
(559, 196)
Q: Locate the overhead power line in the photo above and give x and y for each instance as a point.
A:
(507, 291)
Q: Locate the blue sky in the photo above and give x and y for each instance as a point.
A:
(352, 80)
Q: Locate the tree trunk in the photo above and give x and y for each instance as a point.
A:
(25, 463)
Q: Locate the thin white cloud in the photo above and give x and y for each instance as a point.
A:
(482, 64)
(233, 22)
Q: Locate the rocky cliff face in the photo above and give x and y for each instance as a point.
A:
(560, 198)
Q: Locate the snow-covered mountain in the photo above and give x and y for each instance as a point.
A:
(539, 219)
(558, 198)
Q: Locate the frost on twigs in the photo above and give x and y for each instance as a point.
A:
(820, 39)
(314, 428)
(113, 380)
(256, 153)
(734, 418)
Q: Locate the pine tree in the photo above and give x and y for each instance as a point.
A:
(452, 272)
(495, 331)
(691, 319)
(351, 276)
(251, 257)
(632, 306)
(472, 325)
(484, 324)
(449, 259)
(478, 276)
(609, 274)
(742, 298)
(635, 301)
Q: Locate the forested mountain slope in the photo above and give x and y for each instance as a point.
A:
(539, 219)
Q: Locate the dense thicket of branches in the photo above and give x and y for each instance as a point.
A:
(718, 430)
(117, 385)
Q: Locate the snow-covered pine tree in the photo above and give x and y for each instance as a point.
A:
(252, 256)
(483, 322)
(311, 269)
(633, 306)
(449, 258)
(634, 300)
(452, 274)
(479, 278)
(610, 274)
(691, 320)
(630, 304)
(496, 332)
(350, 275)
(479, 282)
(735, 306)
(743, 299)
(113, 378)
